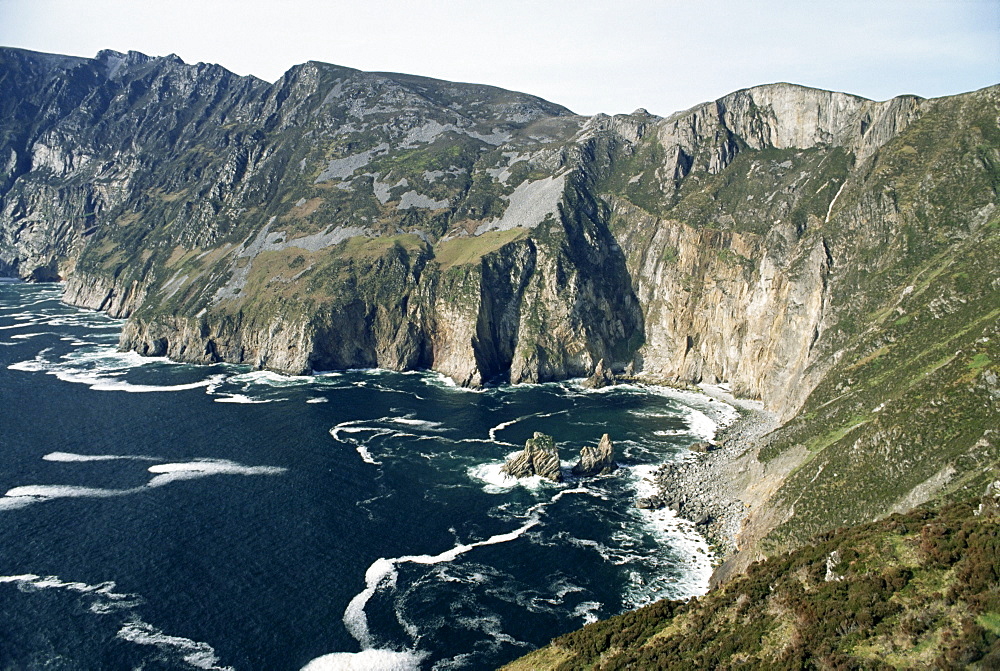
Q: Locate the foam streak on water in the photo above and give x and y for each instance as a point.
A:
(71, 458)
(104, 601)
(382, 574)
(197, 654)
(19, 497)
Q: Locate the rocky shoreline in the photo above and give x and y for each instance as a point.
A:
(706, 486)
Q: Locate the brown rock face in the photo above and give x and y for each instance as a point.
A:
(596, 460)
(602, 377)
(540, 457)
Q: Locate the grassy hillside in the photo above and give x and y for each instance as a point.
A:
(920, 590)
(908, 409)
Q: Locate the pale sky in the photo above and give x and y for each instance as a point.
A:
(592, 56)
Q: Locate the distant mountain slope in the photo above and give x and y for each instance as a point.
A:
(832, 256)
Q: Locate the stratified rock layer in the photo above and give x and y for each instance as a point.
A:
(540, 457)
(596, 460)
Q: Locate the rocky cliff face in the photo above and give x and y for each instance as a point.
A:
(346, 219)
(343, 219)
(335, 219)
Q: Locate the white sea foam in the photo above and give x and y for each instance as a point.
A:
(666, 433)
(676, 533)
(240, 398)
(383, 574)
(37, 493)
(105, 598)
(354, 426)
(681, 536)
(368, 660)
(317, 399)
(70, 457)
(360, 446)
(497, 482)
(121, 385)
(644, 482)
(366, 456)
(196, 654)
(503, 425)
(422, 423)
(22, 325)
(167, 473)
(14, 503)
(361, 426)
(705, 415)
(490, 625)
(701, 424)
(653, 414)
(271, 378)
(100, 369)
(328, 373)
(588, 611)
(436, 379)
(19, 497)
(342, 433)
(355, 619)
(102, 379)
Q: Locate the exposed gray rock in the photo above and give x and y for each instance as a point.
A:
(650, 503)
(596, 460)
(539, 457)
(709, 491)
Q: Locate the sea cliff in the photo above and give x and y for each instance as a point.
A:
(831, 257)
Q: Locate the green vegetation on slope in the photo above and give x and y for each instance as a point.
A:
(920, 590)
(908, 412)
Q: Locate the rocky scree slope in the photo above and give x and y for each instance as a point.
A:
(832, 256)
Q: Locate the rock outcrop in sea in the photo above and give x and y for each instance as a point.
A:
(540, 457)
(602, 377)
(596, 460)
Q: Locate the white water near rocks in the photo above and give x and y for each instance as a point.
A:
(353, 520)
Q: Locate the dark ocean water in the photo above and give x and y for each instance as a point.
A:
(165, 516)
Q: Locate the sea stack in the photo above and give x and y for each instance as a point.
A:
(539, 457)
(603, 377)
(596, 460)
